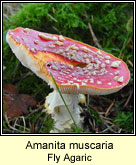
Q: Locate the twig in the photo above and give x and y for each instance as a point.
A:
(87, 100)
(90, 122)
(5, 15)
(7, 121)
(108, 122)
(57, 30)
(22, 126)
(94, 124)
(52, 18)
(130, 63)
(109, 108)
(36, 110)
(24, 123)
(119, 131)
(109, 127)
(15, 123)
(106, 129)
(105, 118)
(129, 97)
(27, 75)
(104, 122)
(95, 40)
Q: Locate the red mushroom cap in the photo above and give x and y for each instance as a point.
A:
(76, 67)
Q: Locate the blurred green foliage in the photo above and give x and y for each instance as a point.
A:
(111, 24)
(125, 121)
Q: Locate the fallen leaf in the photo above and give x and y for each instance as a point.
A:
(16, 104)
(11, 89)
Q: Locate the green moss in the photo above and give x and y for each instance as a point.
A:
(69, 19)
(125, 121)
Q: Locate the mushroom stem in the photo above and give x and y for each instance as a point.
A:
(55, 106)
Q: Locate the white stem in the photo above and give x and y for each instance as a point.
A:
(55, 106)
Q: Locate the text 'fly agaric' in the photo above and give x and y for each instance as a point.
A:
(75, 66)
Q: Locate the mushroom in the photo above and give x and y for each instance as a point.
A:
(77, 68)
